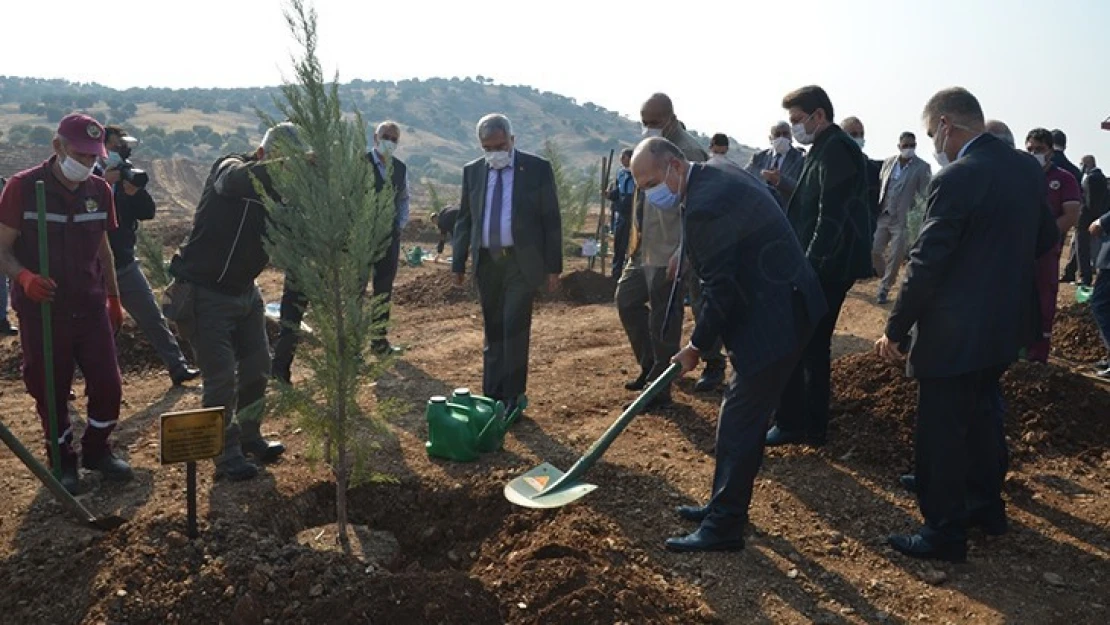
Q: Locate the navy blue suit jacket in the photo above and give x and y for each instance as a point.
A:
(753, 272)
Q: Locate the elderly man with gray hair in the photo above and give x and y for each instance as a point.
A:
(217, 306)
(510, 228)
(1001, 131)
(779, 165)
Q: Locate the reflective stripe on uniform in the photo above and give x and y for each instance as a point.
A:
(100, 424)
(33, 216)
(98, 216)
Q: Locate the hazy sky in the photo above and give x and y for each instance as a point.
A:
(725, 63)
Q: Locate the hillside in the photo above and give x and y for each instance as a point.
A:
(437, 117)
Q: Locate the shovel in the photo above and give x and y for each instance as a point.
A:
(106, 523)
(547, 487)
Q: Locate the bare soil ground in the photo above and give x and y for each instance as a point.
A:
(816, 550)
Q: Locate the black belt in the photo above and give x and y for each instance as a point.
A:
(504, 253)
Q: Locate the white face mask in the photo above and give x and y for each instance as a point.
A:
(386, 147)
(907, 153)
(498, 160)
(1041, 159)
(781, 145)
(860, 141)
(801, 135)
(647, 133)
(941, 158)
(74, 171)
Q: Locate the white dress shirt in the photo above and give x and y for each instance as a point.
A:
(506, 203)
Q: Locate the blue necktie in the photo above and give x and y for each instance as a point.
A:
(495, 216)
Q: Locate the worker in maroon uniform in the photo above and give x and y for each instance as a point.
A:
(86, 309)
(1063, 200)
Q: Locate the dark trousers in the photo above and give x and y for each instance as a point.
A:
(1100, 306)
(1048, 286)
(622, 230)
(1079, 258)
(746, 410)
(138, 300)
(958, 453)
(714, 357)
(293, 304)
(84, 341)
(233, 353)
(805, 400)
(506, 298)
(385, 271)
(642, 296)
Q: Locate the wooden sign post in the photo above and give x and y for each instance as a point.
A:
(189, 436)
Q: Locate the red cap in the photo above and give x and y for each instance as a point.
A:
(83, 133)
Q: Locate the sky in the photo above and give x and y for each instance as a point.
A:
(725, 63)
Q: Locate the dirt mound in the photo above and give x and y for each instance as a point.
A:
(134, 352)
(420, 230)
(434, 289)
(466, 556)
(1050, 411)
(583, 287)
(1075, 335)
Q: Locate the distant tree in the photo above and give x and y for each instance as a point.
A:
(84, 101)
(54, 114)
(575, 191)
(40, 135)
(232, 107)
(30, 108)
(174, 104)
(154, 131)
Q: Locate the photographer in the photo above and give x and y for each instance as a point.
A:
(134, 204)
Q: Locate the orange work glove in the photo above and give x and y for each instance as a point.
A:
(37, 288)
(115, 313)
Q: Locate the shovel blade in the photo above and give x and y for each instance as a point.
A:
(528, 490)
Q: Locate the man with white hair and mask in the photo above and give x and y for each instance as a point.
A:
(217, 305)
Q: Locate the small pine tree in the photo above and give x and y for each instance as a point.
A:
(153, 257)
(574, 191)
(326, 233)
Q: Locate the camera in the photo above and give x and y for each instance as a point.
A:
(133, 174)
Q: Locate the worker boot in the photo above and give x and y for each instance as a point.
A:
(254, 445)
(70, 477)
(109, 466)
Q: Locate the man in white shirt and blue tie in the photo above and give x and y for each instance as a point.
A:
(509, 227)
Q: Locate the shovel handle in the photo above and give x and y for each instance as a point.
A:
(48, 335)
(594, 453)
(48, 480)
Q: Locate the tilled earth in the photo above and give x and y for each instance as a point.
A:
(816, 547)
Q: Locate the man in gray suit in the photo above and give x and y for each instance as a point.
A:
(781, 164)
(902, 180)
(760, 297)
(509, 226)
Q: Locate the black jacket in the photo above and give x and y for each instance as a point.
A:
(1096, 197)
(753, 272)
(874, 185)
(130, 210)
(224, 251)
(969, 284)
(831, 208)
(537, 224)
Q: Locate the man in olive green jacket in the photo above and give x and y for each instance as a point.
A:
(831, 214)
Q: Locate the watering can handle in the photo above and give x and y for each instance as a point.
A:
(594, 453)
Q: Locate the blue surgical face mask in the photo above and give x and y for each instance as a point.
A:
(661, 195)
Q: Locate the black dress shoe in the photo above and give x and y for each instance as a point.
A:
(639, 383)
(188, 374)
(908, 482)
(237, 470)
(917, 546)
(710, 379)
(6, 329)
(777, 436)
(109, 466)
(694, 514)
(991, 524)
(263, 450)
(704, 540)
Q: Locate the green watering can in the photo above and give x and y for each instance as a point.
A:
(415, 257)
(462, 427)
(1083, 294)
